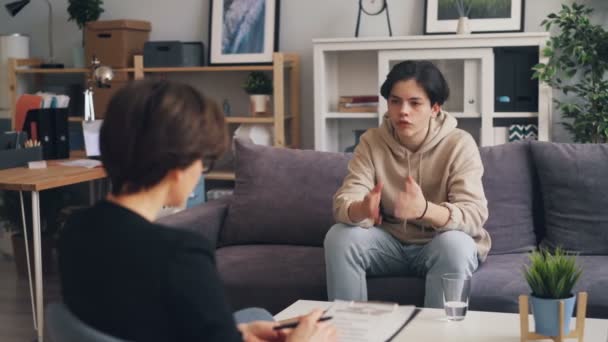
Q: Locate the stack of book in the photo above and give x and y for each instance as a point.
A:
(358, 104)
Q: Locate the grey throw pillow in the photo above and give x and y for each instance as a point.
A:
(574, 186)
(282, 196)
(510, 186)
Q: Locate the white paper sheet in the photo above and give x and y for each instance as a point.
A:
(88, 163)
(368, 322)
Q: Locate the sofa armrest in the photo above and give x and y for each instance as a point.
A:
(206, 219)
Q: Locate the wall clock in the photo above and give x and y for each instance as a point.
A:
(373, 7)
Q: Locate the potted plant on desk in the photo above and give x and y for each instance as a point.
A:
(259, 87)
(551, 278)
(83, 11)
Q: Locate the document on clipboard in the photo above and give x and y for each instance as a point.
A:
(369, 321)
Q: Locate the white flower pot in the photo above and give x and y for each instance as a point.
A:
(464, 26)
(259, 104)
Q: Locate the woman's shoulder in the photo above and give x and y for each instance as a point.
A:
(184, 240)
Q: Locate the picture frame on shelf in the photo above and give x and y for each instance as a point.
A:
(484, 16)
(243, 31)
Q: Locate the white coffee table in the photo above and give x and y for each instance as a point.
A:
(431, 325)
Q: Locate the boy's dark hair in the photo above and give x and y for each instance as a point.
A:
(426, 74)
(154, 126)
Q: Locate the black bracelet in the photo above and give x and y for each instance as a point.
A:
(426, 206)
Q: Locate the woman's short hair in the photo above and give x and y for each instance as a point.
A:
(426, 74)
(154, 126)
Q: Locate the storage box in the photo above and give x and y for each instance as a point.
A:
(173, 54)
(102, 96)
(19, 157)
(115, 42)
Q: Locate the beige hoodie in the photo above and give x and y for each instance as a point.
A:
(447, 166)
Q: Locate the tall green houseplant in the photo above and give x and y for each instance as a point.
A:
(83, 11)
(578, 61)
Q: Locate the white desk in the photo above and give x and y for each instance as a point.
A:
(478, 326)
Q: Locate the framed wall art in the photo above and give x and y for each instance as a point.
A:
(441, 16)
(243, 31)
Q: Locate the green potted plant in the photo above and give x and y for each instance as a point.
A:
(551, 277)
(83, 11)
(577, 65)
(259, 87)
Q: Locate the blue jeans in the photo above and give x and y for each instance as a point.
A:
(252, 314)
(352, 253)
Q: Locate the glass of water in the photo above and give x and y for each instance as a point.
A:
(456, 290)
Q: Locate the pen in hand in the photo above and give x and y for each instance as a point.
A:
(293, 322)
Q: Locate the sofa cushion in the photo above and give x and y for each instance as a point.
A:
(574, 187)
(272, 277)
(282, 196)
(509, 184)
(499, 281)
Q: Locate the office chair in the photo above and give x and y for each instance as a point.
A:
(63, 326)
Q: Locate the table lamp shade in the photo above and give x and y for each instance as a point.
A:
(14, 7)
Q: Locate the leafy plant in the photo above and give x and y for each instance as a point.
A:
(83, 11)
(258, 83)
(552, 276)
(578, 61)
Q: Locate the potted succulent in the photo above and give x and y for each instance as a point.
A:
(83, 11)
(259, 87)
(551, 277)
(577, 65)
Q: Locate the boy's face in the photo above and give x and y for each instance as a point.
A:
(410, 110)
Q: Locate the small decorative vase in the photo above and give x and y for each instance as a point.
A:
(463, 26)
(358, 133)
(546, 315)
(259, 104)
(78, 56)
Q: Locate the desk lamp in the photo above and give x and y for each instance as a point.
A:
(15, 7)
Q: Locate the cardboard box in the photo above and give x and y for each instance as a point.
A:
(102, 96)
(115, 42)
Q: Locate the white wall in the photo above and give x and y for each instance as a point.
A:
(301, 21)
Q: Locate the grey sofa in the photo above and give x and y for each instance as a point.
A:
(269, 234)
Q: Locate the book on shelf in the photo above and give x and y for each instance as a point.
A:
(360, 109)
(358, 104)
(361, 104)
(358, 99)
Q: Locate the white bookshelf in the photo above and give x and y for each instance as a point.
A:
(358, 66)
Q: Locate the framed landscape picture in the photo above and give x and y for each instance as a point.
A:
(441, 16)
(243, 31)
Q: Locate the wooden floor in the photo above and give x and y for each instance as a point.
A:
(16, 323)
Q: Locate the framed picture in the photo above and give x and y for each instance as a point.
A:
(243, 31)
(441, 16)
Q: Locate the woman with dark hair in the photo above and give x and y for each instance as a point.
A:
(413, 201)
(131, 278)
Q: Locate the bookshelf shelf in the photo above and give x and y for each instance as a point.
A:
(357, 67)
